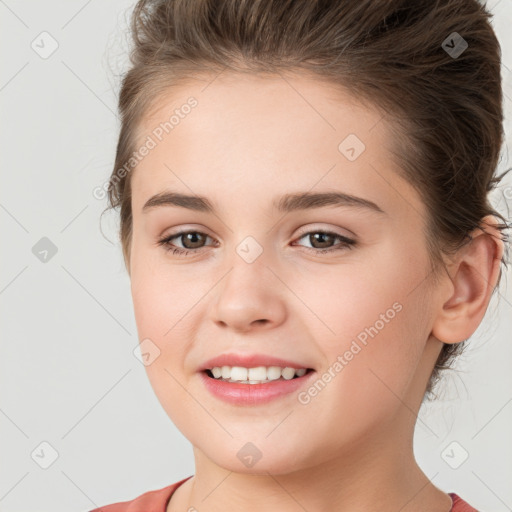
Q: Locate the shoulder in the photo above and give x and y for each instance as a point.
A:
(156, 501)
(459, 505)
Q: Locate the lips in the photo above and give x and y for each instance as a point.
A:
(251, 361)
(247, 394)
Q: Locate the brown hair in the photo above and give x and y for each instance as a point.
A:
(403, 57)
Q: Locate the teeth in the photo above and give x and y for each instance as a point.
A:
(273, 373)
(258, 373)
(288, 373)
(237, 373)
(255, 375)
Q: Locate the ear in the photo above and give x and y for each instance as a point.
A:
(474, 275)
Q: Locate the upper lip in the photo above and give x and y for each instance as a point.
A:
(249, 361)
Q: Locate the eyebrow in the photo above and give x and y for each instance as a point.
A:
(284, 204)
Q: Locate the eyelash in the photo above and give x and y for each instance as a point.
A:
(346, 243)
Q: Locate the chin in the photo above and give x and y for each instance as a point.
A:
(256, 458)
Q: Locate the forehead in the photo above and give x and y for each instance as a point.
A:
(249, 134)
(238, 103)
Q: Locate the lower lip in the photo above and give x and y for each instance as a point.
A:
(253, 394)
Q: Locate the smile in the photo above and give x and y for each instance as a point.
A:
(241, 386)
(256, 375)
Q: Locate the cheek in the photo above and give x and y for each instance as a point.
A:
(161, 307)
(349, 298)
(375, 316)
(370, 364)
(168, 301)
(161, 295)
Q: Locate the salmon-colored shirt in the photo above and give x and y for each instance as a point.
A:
(157, 501)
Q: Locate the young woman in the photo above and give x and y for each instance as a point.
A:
(303, 192)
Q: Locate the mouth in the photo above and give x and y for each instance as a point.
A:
(254, 385)
(255, 375)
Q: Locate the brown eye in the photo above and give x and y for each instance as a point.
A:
(323, 241)
(192, 239)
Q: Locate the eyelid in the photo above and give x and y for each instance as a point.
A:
(346, 243)
(321, 227)
(183, 229)
(182, 232)
(186, 228)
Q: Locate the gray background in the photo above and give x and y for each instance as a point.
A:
(68, 372)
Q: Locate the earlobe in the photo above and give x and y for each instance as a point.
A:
(473, 277)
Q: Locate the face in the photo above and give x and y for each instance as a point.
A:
(339, 288)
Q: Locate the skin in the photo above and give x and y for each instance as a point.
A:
(249, 140)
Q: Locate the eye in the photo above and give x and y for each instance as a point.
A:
(321, 241)
(192, 241)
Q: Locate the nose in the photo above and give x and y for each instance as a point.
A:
(249, 297)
